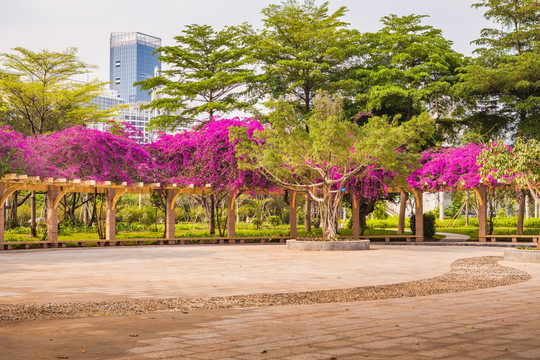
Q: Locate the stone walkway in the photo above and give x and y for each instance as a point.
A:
(451, 237)
(495, 323)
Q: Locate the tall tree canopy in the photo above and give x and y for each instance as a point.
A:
(208, 71)
(409, 68)
(502, 85)
(39, 92)
(302, 49)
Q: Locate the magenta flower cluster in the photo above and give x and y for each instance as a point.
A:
(449, 169)
(205, 156)
(200, 157)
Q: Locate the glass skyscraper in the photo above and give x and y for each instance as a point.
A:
(132, 61)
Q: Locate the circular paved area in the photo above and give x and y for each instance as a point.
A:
(94, 274)
(492, 323)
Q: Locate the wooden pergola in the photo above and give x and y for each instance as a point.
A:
(57, 188)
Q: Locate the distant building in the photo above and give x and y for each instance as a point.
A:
(132, 60)
(131, 113)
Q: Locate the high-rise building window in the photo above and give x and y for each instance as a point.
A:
(132, 60)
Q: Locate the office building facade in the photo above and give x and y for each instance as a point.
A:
(132, 59)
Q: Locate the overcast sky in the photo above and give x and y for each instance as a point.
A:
(87, 24)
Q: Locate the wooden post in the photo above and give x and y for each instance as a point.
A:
(52, 214)
(402, 211)
(419, 214)
(110, 224)
(355, 217)
(231, 218)
(293, 216)
(2, 210)
(169, 214)
(307, 219)
(481, 195)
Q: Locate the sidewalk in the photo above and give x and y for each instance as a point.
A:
(501, 322)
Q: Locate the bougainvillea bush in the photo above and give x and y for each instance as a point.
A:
(448, 169)
(205, 156)
(82, 153)
(16, 153)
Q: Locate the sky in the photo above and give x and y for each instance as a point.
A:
(87, 24)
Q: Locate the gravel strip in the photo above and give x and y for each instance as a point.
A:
(464, 275)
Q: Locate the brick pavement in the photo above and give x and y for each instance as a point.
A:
(495, 323)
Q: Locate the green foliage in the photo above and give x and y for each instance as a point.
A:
(39, 94)
(410, 67)
(429, 225)
(274, 220)
(303, 48)
(327, 151)
(501, 86)
(379, 212)
(206, 71)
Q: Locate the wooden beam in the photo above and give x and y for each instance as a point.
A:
(117, 194)
(481, 196)
(8, 191)
(355, 217)
(170, 214)
(52, 214)
(110, 221)
(419, 214)
(64, 190)
(231, 216)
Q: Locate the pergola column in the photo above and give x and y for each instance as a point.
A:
(231, 217)
(169, 213)
(110, 222)
(419, 214)
(2, 211)
(355, 217)
(481, 195)
(293, 217)
(52, 213)
(402, 210)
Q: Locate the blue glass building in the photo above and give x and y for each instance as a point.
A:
(132, 60)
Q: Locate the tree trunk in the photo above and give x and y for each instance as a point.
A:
(212, 223)
(33, 227)
(307, 219)
(330, 213)
(409, 109)
(521, 213)
(467, 210)
(14, 205)
(402, 210)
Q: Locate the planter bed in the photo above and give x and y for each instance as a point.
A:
(338, 245)
(531, 256)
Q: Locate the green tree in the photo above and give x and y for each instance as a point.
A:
(518, 165)
(39, 95)
(503, 82)
(302, 49)
(321, 161)
(39, 92)
(208, 71)
(409, 68)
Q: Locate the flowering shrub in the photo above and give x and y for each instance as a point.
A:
(82, 153)
(449, 168)
(16, 153)
(205, 156)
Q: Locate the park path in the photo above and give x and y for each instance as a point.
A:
(451, 237)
